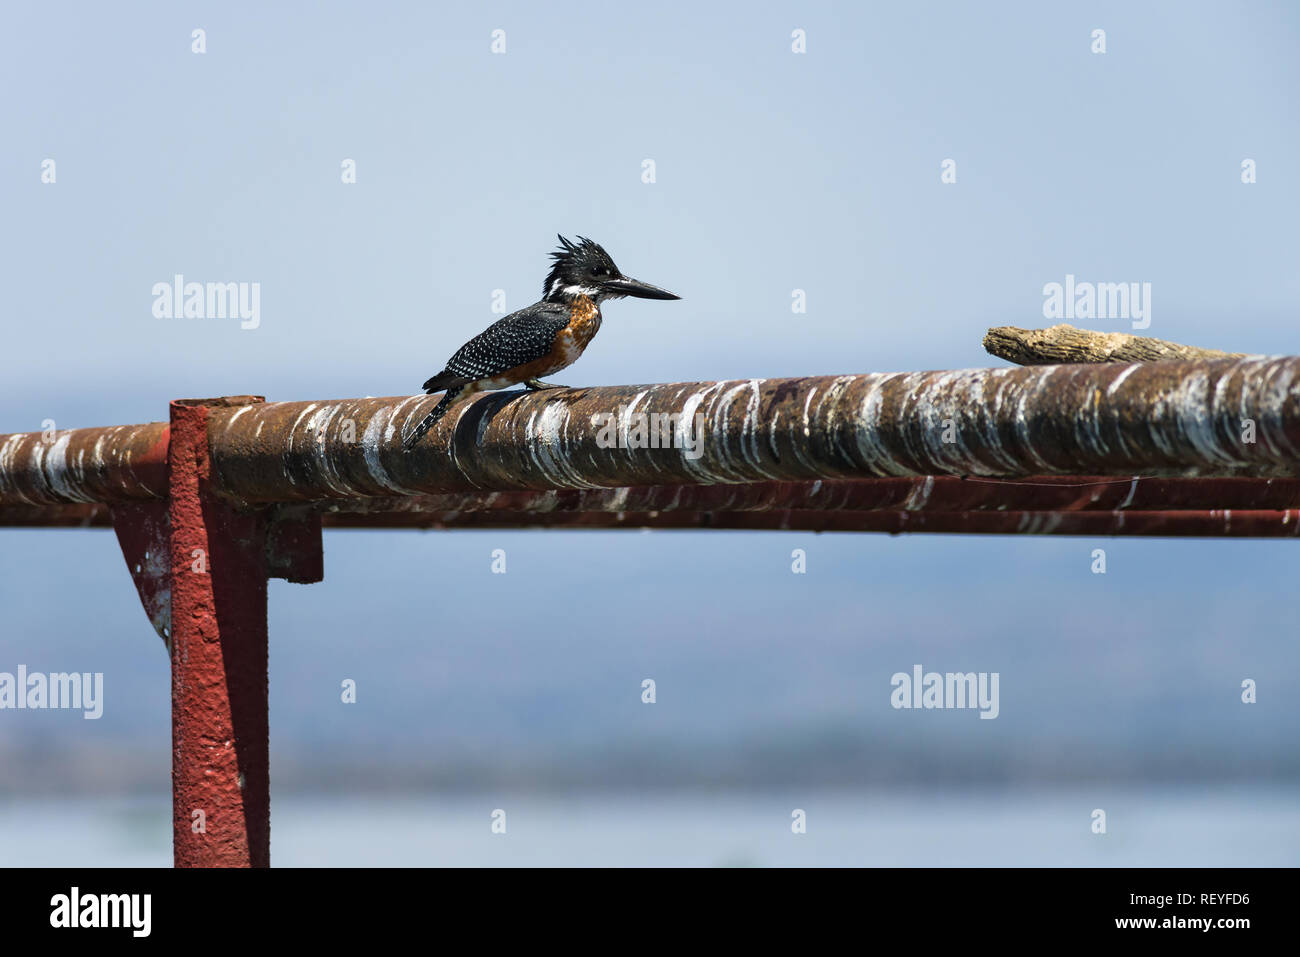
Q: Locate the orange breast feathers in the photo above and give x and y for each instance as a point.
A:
(584, 323)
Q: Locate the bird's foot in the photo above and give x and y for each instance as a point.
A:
(537, 384)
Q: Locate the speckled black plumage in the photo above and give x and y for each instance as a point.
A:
(521, 337)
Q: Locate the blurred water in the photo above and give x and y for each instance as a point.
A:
(1145, 828)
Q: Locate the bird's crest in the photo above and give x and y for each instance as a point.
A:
(576, 261)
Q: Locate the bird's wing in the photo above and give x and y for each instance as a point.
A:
(521, 337)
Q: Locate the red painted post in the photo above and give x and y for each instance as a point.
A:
(221, 814)
(200, 564)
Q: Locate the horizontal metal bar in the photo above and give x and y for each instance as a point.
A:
(113, 464)
(1171, 418)
(1223, 418)
(1189, 523)
(590, 511)
(921, 494)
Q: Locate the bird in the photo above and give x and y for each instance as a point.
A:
(540, 339)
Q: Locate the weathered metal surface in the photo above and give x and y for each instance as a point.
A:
(294, 536)
(1217, 523)
(1163, 418)
(922, 494)
(143, 532)
(1141, 419)
(113, 464)
(221, 813)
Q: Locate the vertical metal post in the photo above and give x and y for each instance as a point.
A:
(221, 812)
(200, 564)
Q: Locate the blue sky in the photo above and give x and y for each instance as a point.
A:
(774, 172)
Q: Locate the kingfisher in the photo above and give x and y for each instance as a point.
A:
(539, 339)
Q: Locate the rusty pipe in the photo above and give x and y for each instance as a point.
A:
(1212, 523)
(1182, 418)
(1221, 417)
(113, 464)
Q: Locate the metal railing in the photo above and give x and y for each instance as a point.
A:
(230, 492)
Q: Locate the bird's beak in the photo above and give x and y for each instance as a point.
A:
(622, 286)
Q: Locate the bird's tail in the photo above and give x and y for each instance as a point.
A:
(432, 418)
